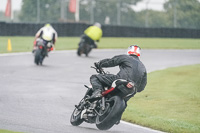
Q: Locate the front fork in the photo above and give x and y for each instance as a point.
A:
(103, 103)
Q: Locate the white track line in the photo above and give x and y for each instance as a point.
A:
(27, 53)
(13, 54)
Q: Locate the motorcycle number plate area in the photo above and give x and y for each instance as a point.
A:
(40, 47)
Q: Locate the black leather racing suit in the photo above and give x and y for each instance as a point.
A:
(131, 69)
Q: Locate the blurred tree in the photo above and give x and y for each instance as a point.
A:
(183, 13)
(90, 11)
(155, 19)
(49, 11)
(6, 19)
(28, 11)
(117, 11)
(3, 18)
(178, 13)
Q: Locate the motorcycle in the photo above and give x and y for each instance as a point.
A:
(84, 46)
(106, 108)
(43, 47)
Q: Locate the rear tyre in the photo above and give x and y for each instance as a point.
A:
(38, 53)
(87, 49)
(111, 114)
(41, 59)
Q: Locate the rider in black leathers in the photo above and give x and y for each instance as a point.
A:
(131, 69)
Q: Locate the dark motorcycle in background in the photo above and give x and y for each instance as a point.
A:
(104, 109)
(43, 47)
(84, 46)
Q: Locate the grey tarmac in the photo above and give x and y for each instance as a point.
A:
(40, 99)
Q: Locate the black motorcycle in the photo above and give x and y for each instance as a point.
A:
(42, 51)
(84, 46)
(104, 109)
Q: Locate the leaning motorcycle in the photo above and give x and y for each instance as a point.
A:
(41, 51)
(84, 47)
(104, 109)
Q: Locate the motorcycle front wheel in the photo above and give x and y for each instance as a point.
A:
(115, 106)
(75, 119)
(80, 49)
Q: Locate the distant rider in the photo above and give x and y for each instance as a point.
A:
(92, 34)
(131, 69)
(48, 35)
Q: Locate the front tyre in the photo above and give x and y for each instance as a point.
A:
(79, 51)
(111, 114)
(76, 117)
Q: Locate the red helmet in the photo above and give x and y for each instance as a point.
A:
(134, 50)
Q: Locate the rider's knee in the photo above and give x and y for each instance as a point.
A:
(93, 77)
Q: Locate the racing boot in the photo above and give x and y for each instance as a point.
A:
(95, 95)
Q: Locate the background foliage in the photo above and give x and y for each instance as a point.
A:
(176, 13)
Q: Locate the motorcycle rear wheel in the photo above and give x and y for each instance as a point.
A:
(83, 48)
(111, 114)
(38, 53)
(87, 49)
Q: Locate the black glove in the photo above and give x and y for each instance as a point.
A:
(97, 65)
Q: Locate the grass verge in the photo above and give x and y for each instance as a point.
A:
(170, 102)
(6, 131)
(24, 44)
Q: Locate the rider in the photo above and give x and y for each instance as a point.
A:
(48, 35)
(92, 34)
(131, 69)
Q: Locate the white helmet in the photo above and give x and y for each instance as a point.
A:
(134, 50)
(97, 24)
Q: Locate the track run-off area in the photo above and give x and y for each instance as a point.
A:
(40, 99)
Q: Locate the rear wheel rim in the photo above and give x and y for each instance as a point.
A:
(104, 113)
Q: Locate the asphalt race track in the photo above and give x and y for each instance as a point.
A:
(40, 99)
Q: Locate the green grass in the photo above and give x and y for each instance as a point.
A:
(24, 44)
(170, 102)
(6, 131)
